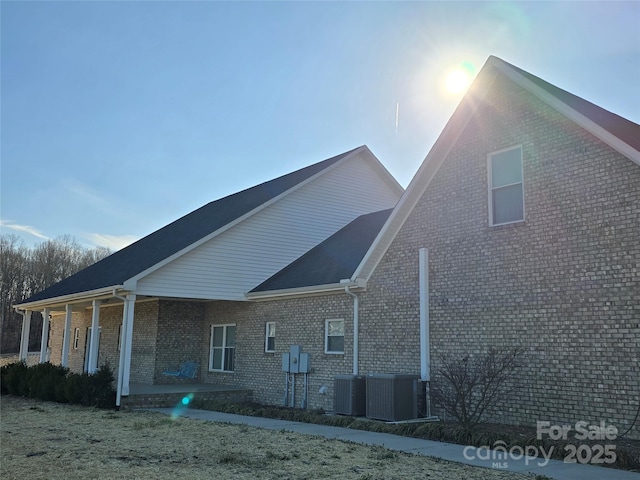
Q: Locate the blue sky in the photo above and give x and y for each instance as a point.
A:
(119, 117)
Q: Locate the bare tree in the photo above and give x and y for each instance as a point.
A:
(465, 386)
(24, 272)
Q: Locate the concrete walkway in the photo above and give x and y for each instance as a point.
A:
(456, 453)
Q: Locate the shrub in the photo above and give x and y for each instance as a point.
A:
(14, 379)
(54, 383)
(45, 380)
(467, 386)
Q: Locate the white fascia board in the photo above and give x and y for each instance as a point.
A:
(104, 292)
(586, 123)
(421, 180)
(131, 283)
(306, 291)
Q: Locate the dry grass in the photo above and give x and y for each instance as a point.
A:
(42, 440)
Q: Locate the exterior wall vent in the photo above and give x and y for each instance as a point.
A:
(392, 397)
(349, 395)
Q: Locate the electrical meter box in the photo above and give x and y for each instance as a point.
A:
(304, 363)
(285, 362)
(295, 361)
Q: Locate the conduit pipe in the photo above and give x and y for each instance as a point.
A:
(425, 352)
(424, 315)
(356, 308)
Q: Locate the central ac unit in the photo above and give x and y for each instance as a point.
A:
(349, 395)
(392, 397)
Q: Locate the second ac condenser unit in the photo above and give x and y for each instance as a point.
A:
(392, 397)
(349, 395)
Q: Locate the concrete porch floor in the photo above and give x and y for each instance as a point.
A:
(146, 396)
(146, 389)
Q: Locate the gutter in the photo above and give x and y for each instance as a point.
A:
(64, 299)
(359, 284)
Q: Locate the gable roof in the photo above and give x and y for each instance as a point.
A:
(116, 269)
(618, 132)
(331, 261)
(578, 109)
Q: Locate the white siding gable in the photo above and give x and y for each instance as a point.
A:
(235, 261)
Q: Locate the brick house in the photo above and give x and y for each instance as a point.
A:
(520, 228)
(158, 297)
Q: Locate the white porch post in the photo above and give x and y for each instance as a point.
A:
(95, 337)
(66, 338)
(128, 337)
(24, 338)
(45, 335)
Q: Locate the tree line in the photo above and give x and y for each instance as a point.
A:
(26, 271)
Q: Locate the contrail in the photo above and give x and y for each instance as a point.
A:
(397, 110)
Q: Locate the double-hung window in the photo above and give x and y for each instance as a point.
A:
(270, 337)
(334, 336)
(223, 348)
(506, 187)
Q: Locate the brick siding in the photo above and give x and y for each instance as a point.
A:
(564, 283)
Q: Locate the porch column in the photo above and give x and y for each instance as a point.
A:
(66, 338)
(95, 338)
(24, 338)
(45, 335)
(127, 325)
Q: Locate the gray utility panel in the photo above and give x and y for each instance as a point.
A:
(295, 361)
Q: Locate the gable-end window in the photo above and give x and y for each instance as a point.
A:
(76, 338)
(334, 336)
(270, 337)
(223, 348)
(506, 187)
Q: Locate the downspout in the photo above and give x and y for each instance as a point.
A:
(123, 336)
(356, 305)
(425, 353)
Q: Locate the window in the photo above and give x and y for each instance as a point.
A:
(119, 335)
(76, 338)
(334, 336)
(506, 188)
(223, 348)
(270, 337)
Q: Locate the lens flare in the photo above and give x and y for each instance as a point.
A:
(182, 405)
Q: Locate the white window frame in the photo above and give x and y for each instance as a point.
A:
(224, 346)
(267, 337)
(491, 189)
(326, 336)
(76, 338)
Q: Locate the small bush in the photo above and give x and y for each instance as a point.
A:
(55, 383)
(44, 381)
(13, 379)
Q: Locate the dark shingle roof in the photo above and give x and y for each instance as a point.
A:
(625, 130)
(334, 259)
(161, 244)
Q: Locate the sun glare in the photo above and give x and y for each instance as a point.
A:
(459, 79)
